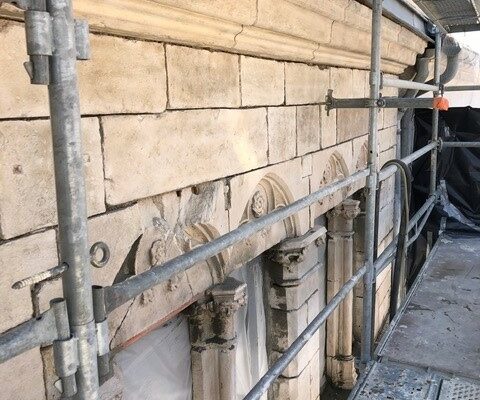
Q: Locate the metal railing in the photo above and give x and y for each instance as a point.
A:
(77, 325)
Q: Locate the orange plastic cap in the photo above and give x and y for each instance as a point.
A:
(440, 103)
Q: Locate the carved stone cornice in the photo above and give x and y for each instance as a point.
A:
(242, 28)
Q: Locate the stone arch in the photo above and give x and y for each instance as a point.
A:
(335, 170)
(199, 234)
(362, 157)
(270, 194)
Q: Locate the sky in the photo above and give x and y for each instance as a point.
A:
(471, 39)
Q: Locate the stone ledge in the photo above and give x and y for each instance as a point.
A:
(271, 34)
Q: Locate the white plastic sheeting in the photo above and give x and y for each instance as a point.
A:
(252, 362)
(157, 367)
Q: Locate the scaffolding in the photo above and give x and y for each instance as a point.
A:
(77, 325)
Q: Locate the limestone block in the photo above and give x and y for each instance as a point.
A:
(316, 373)
(305, 84)
(387, 155)
(341, 82)
(302, 361)
(262, 81)
(179, 144)
(388, 192)
(293, 296)
(334, 9)
(201, 78)
(330, 165)
(22, 377)
(387, 138)
(386, 220)
(328, 128)
(307, 167)
(27, 200)
(19, 98)
(348, 38)
(282, 133)
(408, 39)
(351, 123)
(113, 59)
(21, 259)
(283, 16)
(292, 388)
(123, 76)
(242, 12)
(358, 16)
(259, 192)
(308, 129)
(287, 326)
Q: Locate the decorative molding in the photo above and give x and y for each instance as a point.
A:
(151, 20)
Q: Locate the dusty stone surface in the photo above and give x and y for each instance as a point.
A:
(27, 184)
(22, 377)
(233, 141)
(305, 84)
(308, 129)
(104, 88)
(283, 16)
(19, 98)
(21, 259)
(328, 128)
(282, 132)
(202, 78)
(262, 81)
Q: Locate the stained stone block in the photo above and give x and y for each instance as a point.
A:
(22, 377)
(308, 129)
(286, 326)
(281, 134)
(233, 141)
(302, 360)
(27, 183)
(328, 128)
(21, 259)
(292, 297)
(305, 84)
(263, 81)
(292, 388)
(202, 78)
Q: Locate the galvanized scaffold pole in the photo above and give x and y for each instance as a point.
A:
(70, 190)
(371, 186)
(435, 115)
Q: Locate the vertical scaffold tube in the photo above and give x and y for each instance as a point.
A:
(435, 115)
(369, 278)
(71, 197)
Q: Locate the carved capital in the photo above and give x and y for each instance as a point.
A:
(348, 210)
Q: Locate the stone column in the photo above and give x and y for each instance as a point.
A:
(213, 335)
(340, 360)
(295, 284)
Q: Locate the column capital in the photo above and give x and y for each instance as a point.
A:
(229, 296)
(348, 209)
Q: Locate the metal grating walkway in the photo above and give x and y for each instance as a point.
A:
(432, 348)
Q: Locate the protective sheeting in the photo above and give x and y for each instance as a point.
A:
(458, 167)
(252, 362)
(157, 367)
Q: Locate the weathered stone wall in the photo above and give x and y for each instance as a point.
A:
(183, 144)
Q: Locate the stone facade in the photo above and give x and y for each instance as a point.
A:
(196, 120)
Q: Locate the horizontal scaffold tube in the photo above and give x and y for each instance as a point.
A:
(460, 144)
(32, 333)
(402, 84)
(277, 368)
(464, 88)
(389, 171)
(120, 293)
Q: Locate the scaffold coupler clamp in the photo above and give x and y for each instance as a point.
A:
(39, 37)
(103, 337)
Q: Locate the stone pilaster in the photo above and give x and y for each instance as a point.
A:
(340, 360)
(295, 295)
(213, 336)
